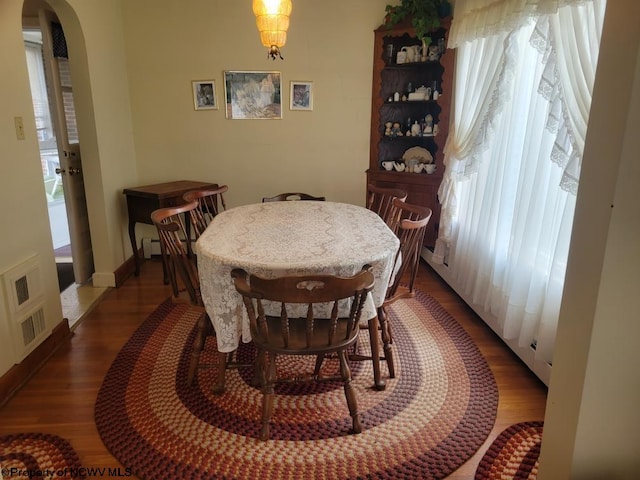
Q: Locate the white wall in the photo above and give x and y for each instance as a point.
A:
(592, 417)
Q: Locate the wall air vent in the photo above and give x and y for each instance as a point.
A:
(23, 286)
(25, 306)
(22, 290)
(32, 327)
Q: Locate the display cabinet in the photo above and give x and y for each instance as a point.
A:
(411, 98)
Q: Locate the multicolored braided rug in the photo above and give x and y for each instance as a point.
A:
(513, 454)
(431, 418)
(38, 455)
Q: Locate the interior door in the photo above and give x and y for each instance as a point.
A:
(62, 107)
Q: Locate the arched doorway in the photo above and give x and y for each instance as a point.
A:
(63, 173)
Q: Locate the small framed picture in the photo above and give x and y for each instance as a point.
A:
(301, 96)
(204, 95)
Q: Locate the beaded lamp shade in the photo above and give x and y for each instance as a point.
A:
(272, 20)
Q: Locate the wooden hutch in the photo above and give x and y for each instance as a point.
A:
(392, 84)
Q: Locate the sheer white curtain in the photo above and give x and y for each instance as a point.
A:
(476, 102)
(507, 199)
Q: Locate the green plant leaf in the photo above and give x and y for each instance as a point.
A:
(424, 15)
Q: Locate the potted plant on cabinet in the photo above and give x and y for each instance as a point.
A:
(425, 15)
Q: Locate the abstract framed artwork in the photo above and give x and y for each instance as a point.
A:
(204, 95)
(301, 94)
(253, 95)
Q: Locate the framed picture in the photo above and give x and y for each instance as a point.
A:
(204, 95)
(301, 96)
(253, 95)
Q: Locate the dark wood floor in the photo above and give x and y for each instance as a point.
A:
(60, 398)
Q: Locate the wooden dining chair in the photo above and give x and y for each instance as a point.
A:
(172, 232)
(171, 225)
(380, 200)
(292, 196)
(210, 203)
(311, 336)
(411, 229)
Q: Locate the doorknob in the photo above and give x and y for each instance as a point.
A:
(74, 171)
(60, 171)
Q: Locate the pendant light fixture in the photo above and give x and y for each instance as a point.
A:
(272, 20)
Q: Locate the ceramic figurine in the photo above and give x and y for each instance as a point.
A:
(387, 128)
(428, 125)
(415, 130)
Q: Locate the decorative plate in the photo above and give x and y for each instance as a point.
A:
(421, 154)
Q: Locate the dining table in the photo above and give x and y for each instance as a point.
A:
(276, 239)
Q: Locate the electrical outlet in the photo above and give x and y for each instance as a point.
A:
(19, 127)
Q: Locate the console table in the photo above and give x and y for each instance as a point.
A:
(141, 201)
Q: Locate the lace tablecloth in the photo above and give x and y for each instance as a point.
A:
(288, 238)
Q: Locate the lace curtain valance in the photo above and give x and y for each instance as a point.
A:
(475, 19)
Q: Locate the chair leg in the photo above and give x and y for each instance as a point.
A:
(349, 391)
(259, 368)
(386, 341)
(169, 274)
(378, 383)
(198, 346)
(268, 395)
(319, 360)
(218, 387)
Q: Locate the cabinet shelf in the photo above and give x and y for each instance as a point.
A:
(408, 138)
(412, 65)
(407, 103)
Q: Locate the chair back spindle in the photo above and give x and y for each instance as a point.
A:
(380, 200)
(210, 203)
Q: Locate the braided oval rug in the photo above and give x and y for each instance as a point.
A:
(38, 455)
(513, 455)
(429, 420)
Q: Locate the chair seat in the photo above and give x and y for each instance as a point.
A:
(298, 337)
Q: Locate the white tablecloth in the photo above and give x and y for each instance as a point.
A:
(288, 238)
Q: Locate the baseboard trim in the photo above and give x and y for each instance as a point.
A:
(127, 269)
(19, 374)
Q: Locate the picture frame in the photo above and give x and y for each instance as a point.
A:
(253, 95)
(204, 95)
(301, 96)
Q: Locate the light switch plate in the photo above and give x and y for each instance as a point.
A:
(19, 127)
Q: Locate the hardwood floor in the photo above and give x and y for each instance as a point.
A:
(60, 398)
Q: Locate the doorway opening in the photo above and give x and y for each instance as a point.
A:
(49, 159)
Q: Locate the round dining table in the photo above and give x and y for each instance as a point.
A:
(290, 238)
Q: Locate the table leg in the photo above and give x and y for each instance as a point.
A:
(378, 383)
(134, 247)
